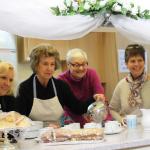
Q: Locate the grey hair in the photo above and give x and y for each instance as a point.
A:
(74, 53)
(46, 50)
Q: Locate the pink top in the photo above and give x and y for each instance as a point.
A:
(89, 85)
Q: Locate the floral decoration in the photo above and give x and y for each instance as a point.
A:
(94, 7)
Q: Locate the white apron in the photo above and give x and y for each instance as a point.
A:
(49, 110)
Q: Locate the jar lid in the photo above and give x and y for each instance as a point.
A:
(96, 106)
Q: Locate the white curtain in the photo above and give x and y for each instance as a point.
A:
(32, 18)
(136, 30)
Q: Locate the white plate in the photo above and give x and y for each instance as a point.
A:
(147, 129)
(31, 134)
(72, 142)
(114, 132)
(13, 128)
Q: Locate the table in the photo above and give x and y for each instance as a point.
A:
(127, 139)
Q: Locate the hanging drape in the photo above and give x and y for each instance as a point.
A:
(32, 18)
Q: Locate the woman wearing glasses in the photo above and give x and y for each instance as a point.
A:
(83, 81)
(42, 97)
(132, 92)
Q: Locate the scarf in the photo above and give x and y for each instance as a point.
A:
(135, 99)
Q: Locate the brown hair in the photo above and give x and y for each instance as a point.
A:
(134, 50)
(43, 50)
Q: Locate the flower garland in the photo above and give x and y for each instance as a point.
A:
(94, 7)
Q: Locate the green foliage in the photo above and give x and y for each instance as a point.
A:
(94, 7)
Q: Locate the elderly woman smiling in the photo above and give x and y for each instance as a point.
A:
(42, 97)
(83, 81)
(132, 92)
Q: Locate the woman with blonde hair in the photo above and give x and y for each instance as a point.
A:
(6, 86)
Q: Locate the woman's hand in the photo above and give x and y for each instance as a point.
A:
(54, 125)
(99, 97)
(87, 117)
(124, 122)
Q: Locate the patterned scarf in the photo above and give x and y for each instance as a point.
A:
(135, 99)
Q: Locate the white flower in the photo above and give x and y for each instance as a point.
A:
(116, 8)
(68, 2)
(92, 2)
(103, 3)
(62, 7)
(134, 11)
(75, 5)
(128, 8)
(87, 6)
(127, 5)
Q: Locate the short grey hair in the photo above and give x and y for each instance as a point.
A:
(75, 53)
(46, 50)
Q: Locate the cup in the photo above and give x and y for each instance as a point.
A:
(72, 126)
(130, 121)
(36, 125)
(112, 126)
(92, 125)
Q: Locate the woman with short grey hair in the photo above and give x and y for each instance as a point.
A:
(76, 52)
(83, 81)
(42, 97)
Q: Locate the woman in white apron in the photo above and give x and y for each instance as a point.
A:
(41, 110)
(41, 96)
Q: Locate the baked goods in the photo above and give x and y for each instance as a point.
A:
(63, 134)
(13, 119)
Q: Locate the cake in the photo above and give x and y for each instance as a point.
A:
(13, 119)
(63, 134)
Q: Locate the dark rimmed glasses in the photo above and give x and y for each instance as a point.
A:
(77, 66)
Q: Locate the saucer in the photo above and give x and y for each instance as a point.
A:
(113, 131)
(31, 134)
(146, 129)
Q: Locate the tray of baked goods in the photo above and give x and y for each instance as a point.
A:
(13, 120)
(63, 136)
(12, 126)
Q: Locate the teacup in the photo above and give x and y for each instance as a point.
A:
(33, 131)
(36, 125)
(130, 121)
(72, 126)
(112, 126)
(92, 125)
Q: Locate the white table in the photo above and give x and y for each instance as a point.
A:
(127, 139)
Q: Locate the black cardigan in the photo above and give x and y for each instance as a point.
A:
(24, 99)
(7, 103)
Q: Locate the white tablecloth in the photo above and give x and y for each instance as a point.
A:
(126, 139)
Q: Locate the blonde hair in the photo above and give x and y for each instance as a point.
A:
(46, 50)
(74, 53)
(4, 67)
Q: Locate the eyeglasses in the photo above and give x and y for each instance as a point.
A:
(77, 66)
